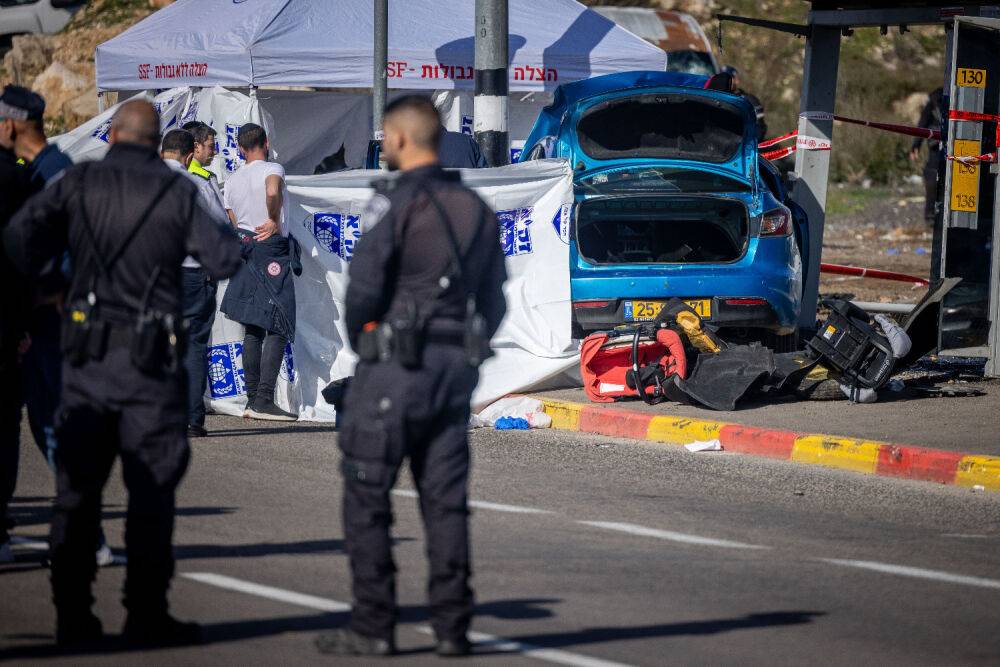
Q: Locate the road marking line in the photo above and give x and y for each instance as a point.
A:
(480, 504)
(269, 592)
(683, 538)
(917, 572)
(29, 543)
(484, 640)
(325, 604)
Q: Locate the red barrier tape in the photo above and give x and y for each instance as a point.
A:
(779, 153)
(871, 273)
(908, 130)
(974, 159)
(975, 116)
(777, 140)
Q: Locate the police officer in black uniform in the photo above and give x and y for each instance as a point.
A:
(14, 318)
(128, 222)
(424, 299)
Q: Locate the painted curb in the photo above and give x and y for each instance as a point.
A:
(868, 457)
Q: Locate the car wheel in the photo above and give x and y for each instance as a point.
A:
(780, 343)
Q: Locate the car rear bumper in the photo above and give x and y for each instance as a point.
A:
(726, 312)
(770, 271)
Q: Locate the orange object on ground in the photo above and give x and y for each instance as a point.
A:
(605, 361)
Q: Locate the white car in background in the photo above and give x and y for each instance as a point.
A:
(20, 17)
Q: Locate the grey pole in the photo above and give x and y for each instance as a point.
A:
(819, 87)
(379, 60)
(490, 104)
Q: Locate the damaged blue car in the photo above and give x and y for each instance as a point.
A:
(673, 200)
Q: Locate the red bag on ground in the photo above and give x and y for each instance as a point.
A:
(606, 361)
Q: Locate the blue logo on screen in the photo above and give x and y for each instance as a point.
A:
(515, 231)
(225, 370)
(337, 233)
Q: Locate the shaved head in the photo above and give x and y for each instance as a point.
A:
(136, 122)
(412, 132)
(418, 118)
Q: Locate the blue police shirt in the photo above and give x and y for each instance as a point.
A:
(48, 164)
(460, 151)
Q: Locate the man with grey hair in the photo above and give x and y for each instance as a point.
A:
(128, 222)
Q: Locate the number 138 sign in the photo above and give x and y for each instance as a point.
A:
(965, 177)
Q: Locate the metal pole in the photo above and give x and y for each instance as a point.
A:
(380, 70)
(490, 102)
(812, 168)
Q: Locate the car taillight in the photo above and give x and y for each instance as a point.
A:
(745, 302)
(590, 304)
(777, 222)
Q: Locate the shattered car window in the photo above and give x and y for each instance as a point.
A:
(662, 125)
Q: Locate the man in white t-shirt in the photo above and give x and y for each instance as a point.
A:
(261, 296)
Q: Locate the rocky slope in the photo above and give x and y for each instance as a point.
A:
(61, 67)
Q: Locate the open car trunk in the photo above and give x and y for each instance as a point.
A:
(661, 230)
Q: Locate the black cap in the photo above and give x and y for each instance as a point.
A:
(19, 103)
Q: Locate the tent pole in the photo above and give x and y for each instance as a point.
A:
(379, 74)
(490, 102)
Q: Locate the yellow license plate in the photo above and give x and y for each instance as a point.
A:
(639, 311)
(970, 78)
(965, 177)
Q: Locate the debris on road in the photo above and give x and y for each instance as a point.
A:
(704, 446)
(513, 413)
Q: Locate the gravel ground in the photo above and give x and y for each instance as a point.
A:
(878, 228)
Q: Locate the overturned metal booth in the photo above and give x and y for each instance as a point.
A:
(968, 189)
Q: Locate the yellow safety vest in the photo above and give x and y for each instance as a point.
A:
(196, 168)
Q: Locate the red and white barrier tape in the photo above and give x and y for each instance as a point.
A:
(767, 143)
(871, 273)
(975, 117)
(908, 130)
(779, 153)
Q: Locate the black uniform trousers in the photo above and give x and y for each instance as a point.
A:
(111, 409)
(199, 310)
(10, 433)
(391, 414)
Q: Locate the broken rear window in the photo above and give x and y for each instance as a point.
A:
(661, 125)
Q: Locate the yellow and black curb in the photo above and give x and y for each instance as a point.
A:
(865, 456)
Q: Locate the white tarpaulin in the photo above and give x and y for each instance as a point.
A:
(532, 201)
(304, 127)
(90, 140)
(224, 110)
(328, 44)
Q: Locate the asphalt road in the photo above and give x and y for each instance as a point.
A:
(588, 551)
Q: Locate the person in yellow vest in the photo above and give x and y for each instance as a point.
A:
(204, 152)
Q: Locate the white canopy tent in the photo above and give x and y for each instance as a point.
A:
(323, 50)
(328, 44)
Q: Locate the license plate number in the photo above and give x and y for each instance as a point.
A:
(643, 311)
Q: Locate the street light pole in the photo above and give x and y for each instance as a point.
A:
(380, 70)
(490, 103)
